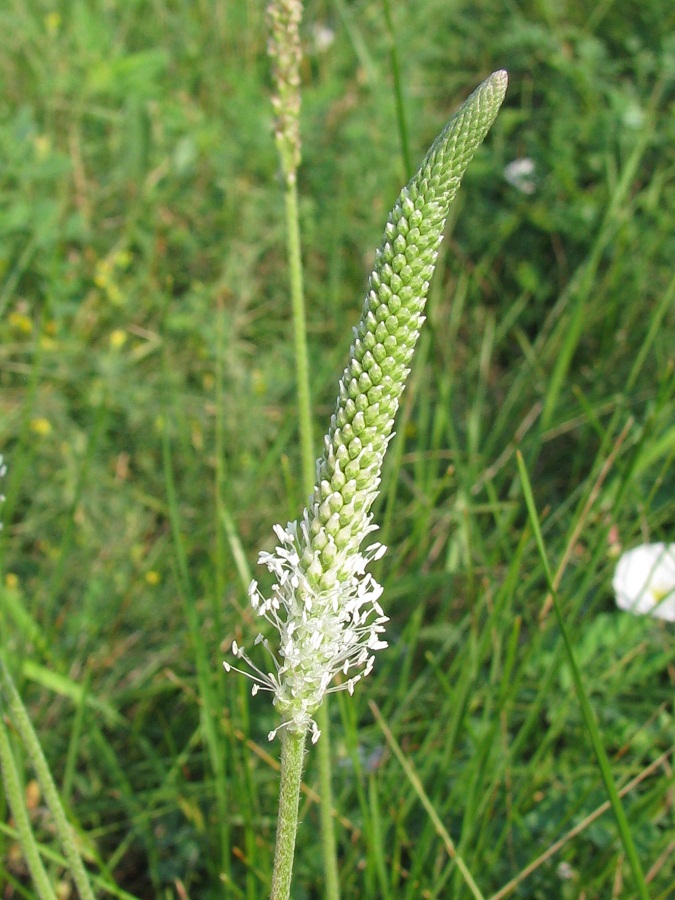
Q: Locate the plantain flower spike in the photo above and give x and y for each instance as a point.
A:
(324, 604)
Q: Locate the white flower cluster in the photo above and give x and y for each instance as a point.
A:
(323, 633)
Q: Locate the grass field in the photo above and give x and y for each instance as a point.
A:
(148, 423)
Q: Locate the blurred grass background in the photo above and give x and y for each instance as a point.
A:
(147, 419)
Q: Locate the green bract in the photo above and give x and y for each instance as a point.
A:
(323, 603)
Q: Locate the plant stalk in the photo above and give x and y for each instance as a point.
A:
(15, 796)
(292, 753)
(299, 336)
(332, 889)
(284, 18)
(21, 722)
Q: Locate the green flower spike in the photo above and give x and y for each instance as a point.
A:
(324, 605)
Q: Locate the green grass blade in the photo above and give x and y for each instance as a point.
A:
(401, 122)
(11, 781)
(586, 710)
(210, 712)
(423, 797)
(19, 717)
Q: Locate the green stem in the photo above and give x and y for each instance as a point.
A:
(299, 335)
(398, 91)
(292, 753)
(15, 796)
(285, 51)
(331, 880)
(21, 722)
(332, 890)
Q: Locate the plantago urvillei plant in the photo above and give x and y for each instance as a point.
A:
(323, 604)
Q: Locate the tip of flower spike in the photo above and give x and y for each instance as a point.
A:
(491, 92)
(498, 79)
(497, 84)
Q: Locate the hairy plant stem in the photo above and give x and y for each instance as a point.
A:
(324, 760)
(21, 722)
(292, 753)
(15, 796)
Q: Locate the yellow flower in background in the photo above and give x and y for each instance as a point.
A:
(43, 147)
(118, 338)
(644, 581)
(41, 426)
(20, 322)
(52, 22)
(106, 272)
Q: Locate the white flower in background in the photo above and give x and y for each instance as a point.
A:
(644, 581)
(322, 37)
(565, 871)
(520, 174)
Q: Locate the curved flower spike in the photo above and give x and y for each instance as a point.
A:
(324, 605)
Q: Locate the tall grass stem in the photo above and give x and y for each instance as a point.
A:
(209, 706)
(15, 797)
(21, 722)
(417, 786)
(586, 710)
(300, 337)
(398, 91)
